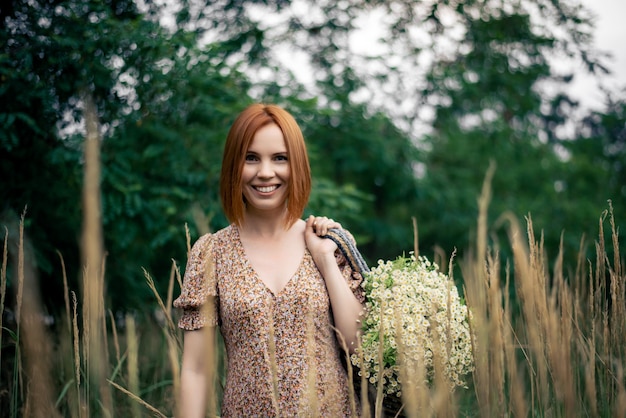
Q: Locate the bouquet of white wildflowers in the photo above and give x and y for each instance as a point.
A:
(423, 321)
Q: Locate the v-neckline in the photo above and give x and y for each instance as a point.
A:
(255, 274)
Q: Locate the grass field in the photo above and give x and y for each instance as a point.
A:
(554, 349)
(549, 339)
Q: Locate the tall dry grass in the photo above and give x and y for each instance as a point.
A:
(547, 344)
(548, 341)
(94, 329)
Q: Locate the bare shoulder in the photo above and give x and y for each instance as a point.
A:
(298, 227)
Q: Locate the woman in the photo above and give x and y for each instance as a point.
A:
(278, 290)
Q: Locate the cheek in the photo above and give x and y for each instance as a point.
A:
(246, 174)
(285, 172)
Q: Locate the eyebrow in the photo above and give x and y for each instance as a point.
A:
(274, 154)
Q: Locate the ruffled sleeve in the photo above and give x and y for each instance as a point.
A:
(199, 296)
(352, 277)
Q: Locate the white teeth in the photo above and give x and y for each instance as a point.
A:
(266, 189)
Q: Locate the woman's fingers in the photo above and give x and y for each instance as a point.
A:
(321, 224)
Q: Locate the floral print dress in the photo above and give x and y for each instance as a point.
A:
(292, 330)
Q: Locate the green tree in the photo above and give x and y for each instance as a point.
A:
(44, 65)
(54, 52)
(484, 69)
(166, 97)
(491, 104)
(161, 168)
(596, 164)
(371, 155)
(165, 102)
(489, 111)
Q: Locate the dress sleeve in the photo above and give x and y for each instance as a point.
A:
(352, 277)
(199, 296)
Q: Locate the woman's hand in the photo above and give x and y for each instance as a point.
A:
(316, 228)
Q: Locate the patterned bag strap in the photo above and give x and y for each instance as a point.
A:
(348, 249)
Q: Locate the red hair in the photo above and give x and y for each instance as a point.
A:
(238, 141)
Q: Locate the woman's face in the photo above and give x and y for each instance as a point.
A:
(266, 171)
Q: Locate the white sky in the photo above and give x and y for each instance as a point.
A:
(610, 36)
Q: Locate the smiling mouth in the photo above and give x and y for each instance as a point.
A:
(266, 189)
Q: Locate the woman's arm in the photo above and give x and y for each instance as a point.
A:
(346, 307)
(195, 372)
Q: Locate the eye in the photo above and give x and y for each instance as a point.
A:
(282, 157)
(251, 157)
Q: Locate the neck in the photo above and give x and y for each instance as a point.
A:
(264, 225)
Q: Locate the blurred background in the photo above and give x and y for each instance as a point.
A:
(404, 105)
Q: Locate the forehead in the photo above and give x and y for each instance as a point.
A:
(269, 137)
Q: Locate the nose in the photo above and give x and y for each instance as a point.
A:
(266, 169)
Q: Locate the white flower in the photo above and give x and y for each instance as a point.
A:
(411, 298)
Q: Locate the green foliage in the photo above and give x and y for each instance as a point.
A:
(163, 165)
(166, 98)
(33, 156)
(490, 106)
(371, 155)
(164, 106)
(596, 165)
